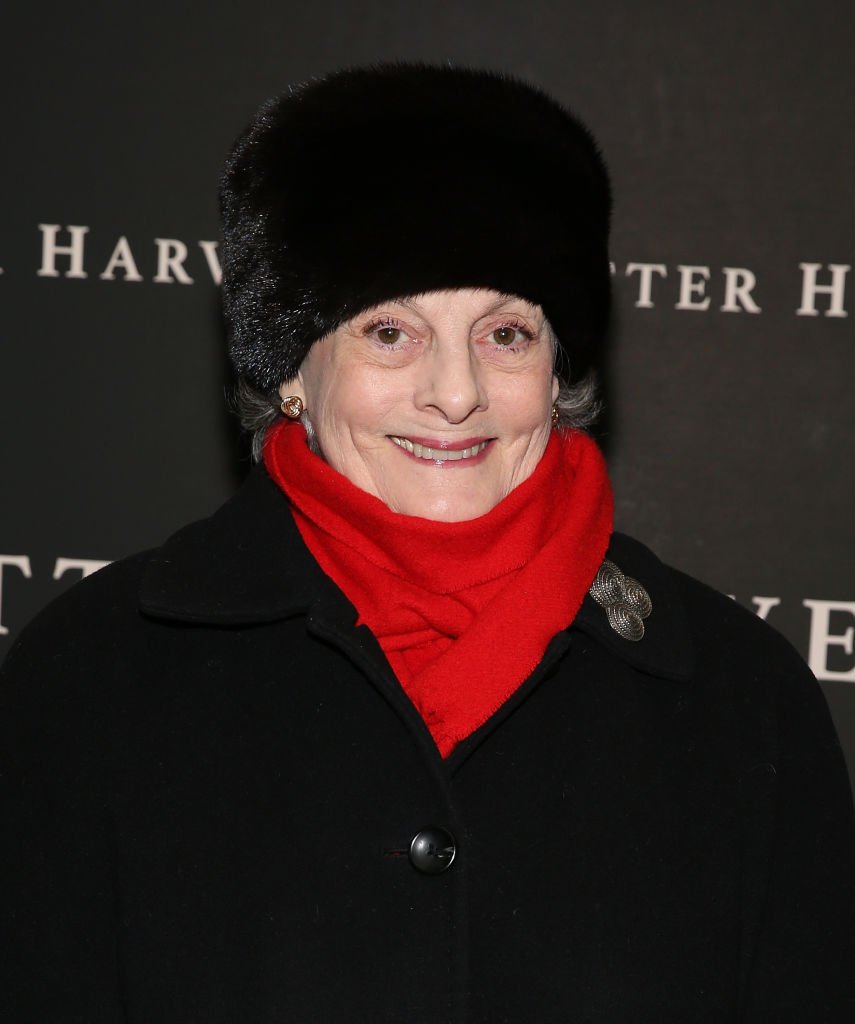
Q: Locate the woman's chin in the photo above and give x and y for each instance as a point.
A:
(446, 506)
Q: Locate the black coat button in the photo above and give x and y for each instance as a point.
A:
(432, 850)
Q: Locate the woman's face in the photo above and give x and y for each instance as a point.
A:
(439, 405)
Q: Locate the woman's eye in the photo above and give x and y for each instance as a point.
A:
(389, 335)
(507, 335)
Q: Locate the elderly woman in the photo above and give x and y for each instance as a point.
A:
(405, 732)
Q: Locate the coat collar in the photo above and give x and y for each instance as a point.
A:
(248, 565)
(666, 648)
(245, 565)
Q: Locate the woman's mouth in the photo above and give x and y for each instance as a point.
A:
(442, 451)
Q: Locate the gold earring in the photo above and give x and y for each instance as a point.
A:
(555, 415)
(292, 407)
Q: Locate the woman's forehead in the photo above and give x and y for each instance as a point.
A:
(475, 302)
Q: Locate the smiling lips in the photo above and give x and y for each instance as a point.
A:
(441, 451)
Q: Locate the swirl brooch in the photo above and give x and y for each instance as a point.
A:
(626, 602)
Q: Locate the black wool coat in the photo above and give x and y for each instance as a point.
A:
(211, 780)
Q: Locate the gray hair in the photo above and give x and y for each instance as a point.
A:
(258, 411)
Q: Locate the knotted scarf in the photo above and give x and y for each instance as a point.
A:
(464, 610)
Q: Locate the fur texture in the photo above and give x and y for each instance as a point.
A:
(388, 181)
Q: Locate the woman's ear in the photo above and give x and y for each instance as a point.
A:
(556, 387)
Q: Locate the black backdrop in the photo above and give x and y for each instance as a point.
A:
(728, 128)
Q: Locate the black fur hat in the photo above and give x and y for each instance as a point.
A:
(383, 182)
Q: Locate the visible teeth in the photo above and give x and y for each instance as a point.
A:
(439, 454)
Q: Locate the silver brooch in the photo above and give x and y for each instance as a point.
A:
(626, 602)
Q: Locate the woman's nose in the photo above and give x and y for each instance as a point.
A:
(451, 382)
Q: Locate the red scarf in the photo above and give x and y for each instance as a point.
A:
(463, 611)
